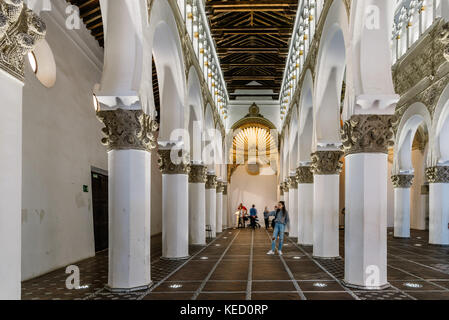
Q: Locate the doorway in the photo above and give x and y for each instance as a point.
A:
(100, 210)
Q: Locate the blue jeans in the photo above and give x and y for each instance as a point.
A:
(279, 229)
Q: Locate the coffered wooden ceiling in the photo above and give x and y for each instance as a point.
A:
(252, 38)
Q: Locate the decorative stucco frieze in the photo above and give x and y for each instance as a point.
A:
(128, 130)
(368, 134)
(20, 30)
(177, 162)
(438, 174)
(327, 162)
(402, 180)
(304, 175)
(444, 39)
(198, 173)
(211, 182)
(292, 182)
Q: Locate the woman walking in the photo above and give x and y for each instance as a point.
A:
(281, 221)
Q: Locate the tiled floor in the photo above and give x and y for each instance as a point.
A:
(234, 266)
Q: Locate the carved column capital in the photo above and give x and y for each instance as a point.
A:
(173, 161)
(327, 162)
(368, 133)
(225, 189)
(198, 173)
(304, 175)
(402, 180)
(292, 182)
(444, 38)
(281, 188)
(128, 130)
(438, 174)
(219, 187)
(286, 186)
(211, 182)
(20, 30)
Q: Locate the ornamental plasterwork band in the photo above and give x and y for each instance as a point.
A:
(403, 181)
(220, 187)
(292, 182)
(211, 182)
(167, 166)
(304, 175)
(20, 30)
(128, 130)
(327, 162)
(198, 173)
(368, 134)
(439, 174)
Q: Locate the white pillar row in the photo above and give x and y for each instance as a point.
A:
(211, 203)
(225, 207)
(304, 177)
(219, 207)
(366, 139)
(438, 178)
(402, 184)
(286, 199)
(326, 167)
(175, 168)
(197, 204)
(15, 43)
(129, 163)
(293, 206)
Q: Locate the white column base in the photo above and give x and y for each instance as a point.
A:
(197, 213)
(366, 221)
(305, 214)
(211, 210)
(175, 216)
(129, 220)
(293, 212)
(325, 216)
(402, 212)
(439, 214)
(219, 210)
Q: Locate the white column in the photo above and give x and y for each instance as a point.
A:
(286, 200)
(211, 203)
(129, 219)
(225, 207)
(326, 167)
(219, 208)
(425, 206)
(129, 163)
(19, 34)
(305, 206)
(197, 204)
(175, 205)
(438, 205)
(10, 186)
(366, 139)
(366, 220)
(402, 184)
(293, 207)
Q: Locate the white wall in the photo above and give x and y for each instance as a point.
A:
(417, 215)
(239, 109)
(156, 195)
(260, 190)
(61, 141)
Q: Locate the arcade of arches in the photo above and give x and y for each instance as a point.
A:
(132, 130)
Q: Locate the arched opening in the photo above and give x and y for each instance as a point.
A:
(411, 201)
(194, 116)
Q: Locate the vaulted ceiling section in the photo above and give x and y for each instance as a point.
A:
(252, 38)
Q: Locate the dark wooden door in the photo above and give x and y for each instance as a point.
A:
(100, 210)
